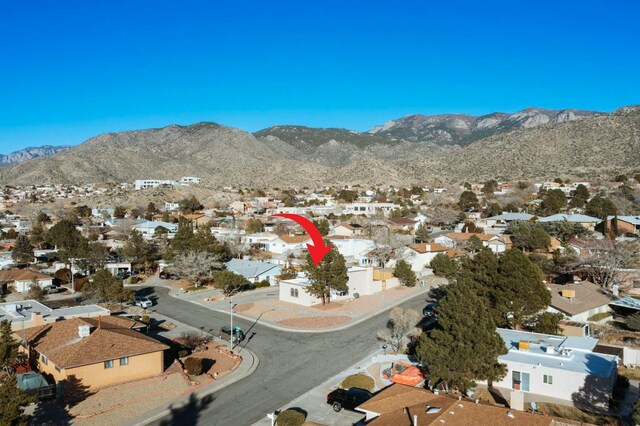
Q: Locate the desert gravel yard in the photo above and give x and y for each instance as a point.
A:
(117, 404)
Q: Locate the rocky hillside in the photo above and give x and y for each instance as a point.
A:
(29, 154)
(597, 145)
(462, 129)
(339, 147)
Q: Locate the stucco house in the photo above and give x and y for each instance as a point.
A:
(588, 222)
(419, 256)
(22, 279)
(287, 243)
(348, 230)
(563, 368)
(96, 351)
(578, 302)
(148, 229)
(362, 282)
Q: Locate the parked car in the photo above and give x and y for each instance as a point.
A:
(53, 289)
(429, 310)
(143, 302)
(347, 398)
(238, 334)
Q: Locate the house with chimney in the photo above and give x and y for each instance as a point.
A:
(97, 352)
(578, 301)
(419, 256)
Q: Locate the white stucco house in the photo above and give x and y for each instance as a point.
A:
(22, 279)
(148, 229)
(560, 367)
(369, 209)
(419, 256)
(287, 243)
(362, 282)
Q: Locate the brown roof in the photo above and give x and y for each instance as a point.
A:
(464, 236)
(193, 216)
(587, 296)
(21, 275)
(110, 338)
(402, 221)
(427, 247)
(397, 404)
(293, 239)
(592, 243)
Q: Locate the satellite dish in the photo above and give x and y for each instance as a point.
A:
(534, 406)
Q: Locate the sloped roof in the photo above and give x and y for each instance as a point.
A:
(587, 296)
(22, 274)
(428, 247)
(511, 216)
(295, 239)
(249, 268)
(576, 218)
(397, 404)
(464, 236)
(110, 338)
(634, 220)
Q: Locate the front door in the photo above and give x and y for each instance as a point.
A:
(520, 381)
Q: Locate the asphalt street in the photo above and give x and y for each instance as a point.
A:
(290, 363)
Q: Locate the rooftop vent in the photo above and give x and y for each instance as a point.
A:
(523, 345)
(83, 331)
(510, 415)
(432, 410)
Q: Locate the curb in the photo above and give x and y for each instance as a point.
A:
(199, 394)
(323, 330)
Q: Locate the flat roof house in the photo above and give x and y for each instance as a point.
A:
(96, 351)
(31, 313)
(563, 368)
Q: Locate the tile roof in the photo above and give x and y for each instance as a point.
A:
(110, 338)
(22, 274)
(397, 404)
(587, 296)
(402, 221)
(464, 236)
(295, 239)
(427, 247)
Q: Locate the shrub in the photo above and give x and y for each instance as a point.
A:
(145, 319)
(600, 316)
(361, 381)
(290, 418)
(79, 283)
(191, 340)
(261, 284)
(135, 279)
(633, 322)
(182, 353)
(193, 366)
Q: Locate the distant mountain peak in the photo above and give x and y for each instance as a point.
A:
(464, 129)
(30, 153)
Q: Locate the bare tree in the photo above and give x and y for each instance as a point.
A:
(443, 216)
(386, 244)
(195, 266)
(605, 267)
(400, 327)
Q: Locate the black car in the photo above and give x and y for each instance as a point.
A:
(429, 310)
(347, 398)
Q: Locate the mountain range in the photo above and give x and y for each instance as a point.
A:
(530, 144)
(29, 154)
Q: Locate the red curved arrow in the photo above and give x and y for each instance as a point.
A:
(317, 250)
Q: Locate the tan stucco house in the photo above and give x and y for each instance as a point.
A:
(98, 351)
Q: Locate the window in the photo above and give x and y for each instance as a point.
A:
(108, 364)
(520, 381)
(293, 292)
(124, 361)
(342, 293)
(547, 379)
(45, 361)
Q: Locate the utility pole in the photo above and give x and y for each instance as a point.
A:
(232, 330)
(73, 284)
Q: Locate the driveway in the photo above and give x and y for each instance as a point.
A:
(290, 363)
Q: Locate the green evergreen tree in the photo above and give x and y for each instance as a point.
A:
(142, 253)
(444, 266)
(183, 240)
(553, 202)
(404, 274)
(229, 282)
(529, 236)
(464, 346)
(119, 212)
(67, 238)
(323, 226)
(330, 274)
(8, 345)
(22, 253)
(546, 323)
(468, 201)
(422, 234)
(12, 403)
(601, 207)
(520, 291)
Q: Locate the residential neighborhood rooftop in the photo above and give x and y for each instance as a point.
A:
(586, 296)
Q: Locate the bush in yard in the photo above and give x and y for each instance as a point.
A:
(191, 340)
(135, 280)
(600, 316)
(182, 353)
(260, 284)
(361, 381)
(633, 322)
(193, 366)
(146, 319)
(290, 418)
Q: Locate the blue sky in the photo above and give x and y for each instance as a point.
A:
(71, 70)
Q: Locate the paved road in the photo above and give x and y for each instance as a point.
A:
(290, 363)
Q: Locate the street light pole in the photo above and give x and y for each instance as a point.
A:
(73, 284)
(231, 334)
